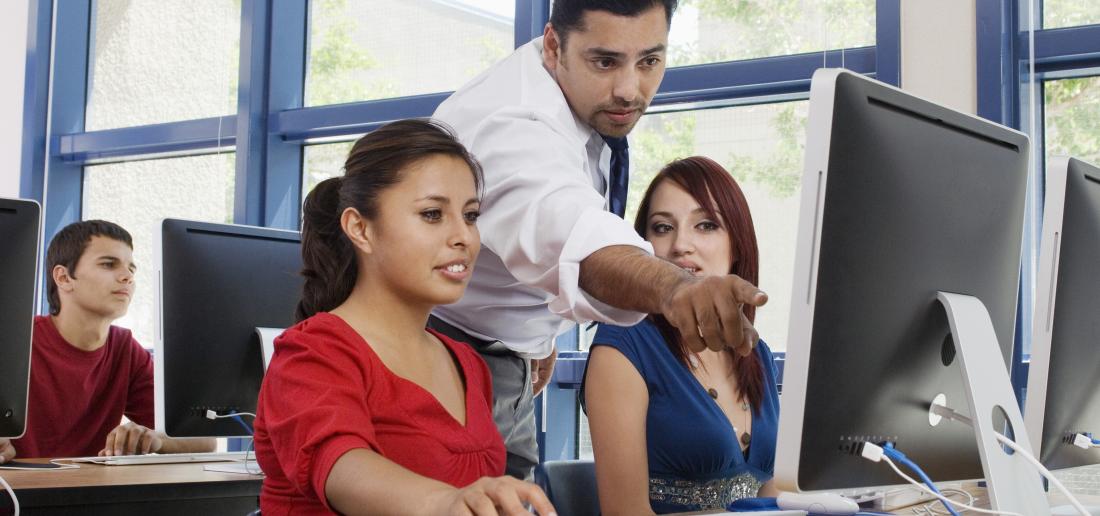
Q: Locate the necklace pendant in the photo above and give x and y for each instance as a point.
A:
(713, 392)
(746, 439)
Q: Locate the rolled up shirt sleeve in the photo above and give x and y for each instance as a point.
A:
(541, 214)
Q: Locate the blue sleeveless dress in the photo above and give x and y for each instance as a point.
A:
(695, 461)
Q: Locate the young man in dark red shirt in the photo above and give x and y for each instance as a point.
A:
(85, 373)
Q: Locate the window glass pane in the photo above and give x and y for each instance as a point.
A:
(709, 31)
(373, 49)
(1068, 13)
(322, 162)
(155, 62)
(137, 195)
(584, 436)
(1072, 118)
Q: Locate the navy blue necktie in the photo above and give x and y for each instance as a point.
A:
(619, 181)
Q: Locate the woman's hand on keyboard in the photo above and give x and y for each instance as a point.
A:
(131, 439)
(504, 496)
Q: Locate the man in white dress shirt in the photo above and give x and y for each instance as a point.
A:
(551, 253)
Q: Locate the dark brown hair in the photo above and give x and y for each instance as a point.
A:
(375, 163)
(568, 15)
(723, 201)
(68, 246)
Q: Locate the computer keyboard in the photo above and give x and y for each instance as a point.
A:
(1081, 481)
(158, 458)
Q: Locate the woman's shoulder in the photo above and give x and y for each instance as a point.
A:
(462, 350)
(764, 351)
(642, 344)
(322, 333)
(643, 332)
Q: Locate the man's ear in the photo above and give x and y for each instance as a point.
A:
(551, 48)
(62, 278)
(358, 229)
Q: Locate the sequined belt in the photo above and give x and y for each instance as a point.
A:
(704, 495)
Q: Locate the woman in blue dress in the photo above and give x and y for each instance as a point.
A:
(673, 430)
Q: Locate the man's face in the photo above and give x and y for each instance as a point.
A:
(610, 67)
(103, 282)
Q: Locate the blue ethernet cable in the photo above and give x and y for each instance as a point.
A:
(897, 456)
(236, 416)
(238, 419)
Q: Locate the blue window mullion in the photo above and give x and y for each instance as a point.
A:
(147, 141)
(1065, 48)
(888, 41)
(288, 36)
(64, 180)
(997, 57)
(36, 89)
(757, 77)
(354, 118)
(70, 80)
(248, 195)
(531, 17)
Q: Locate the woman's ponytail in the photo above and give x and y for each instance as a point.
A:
(328, 260)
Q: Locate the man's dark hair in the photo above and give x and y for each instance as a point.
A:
(568, 15)
(68, 246)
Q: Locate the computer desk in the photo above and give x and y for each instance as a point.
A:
(981, 501)
(160, 489)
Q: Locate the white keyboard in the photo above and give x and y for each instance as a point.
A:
(158, 458)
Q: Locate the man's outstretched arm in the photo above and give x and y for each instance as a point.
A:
(706, 310)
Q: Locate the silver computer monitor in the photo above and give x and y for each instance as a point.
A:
(20, 230)
(901, 199)
(1063, 386)
(217, 284)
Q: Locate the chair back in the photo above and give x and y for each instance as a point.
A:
(570, 485)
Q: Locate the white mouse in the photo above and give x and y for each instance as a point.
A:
(817, 503)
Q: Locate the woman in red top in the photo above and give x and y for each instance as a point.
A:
(362, 410)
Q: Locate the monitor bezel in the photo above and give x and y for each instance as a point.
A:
(21, 205)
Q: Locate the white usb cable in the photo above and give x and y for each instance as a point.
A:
(1084, 441)
(11, 492)
(874, 453)
(950, 413)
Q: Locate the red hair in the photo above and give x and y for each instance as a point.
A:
(722, 199)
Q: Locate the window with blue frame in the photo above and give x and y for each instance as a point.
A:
(1065, 111)
(233, 110)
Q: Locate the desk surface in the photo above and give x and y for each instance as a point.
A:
(146, 489)
(981, 500)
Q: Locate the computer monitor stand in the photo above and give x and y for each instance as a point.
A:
(1014, 484)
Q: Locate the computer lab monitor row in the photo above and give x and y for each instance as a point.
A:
(216, 284)
(905, 293)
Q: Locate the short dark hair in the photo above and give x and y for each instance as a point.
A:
(568, 15)
(376, 162)
(68, 246)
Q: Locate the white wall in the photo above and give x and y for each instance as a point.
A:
(939, 51)
(13, 46)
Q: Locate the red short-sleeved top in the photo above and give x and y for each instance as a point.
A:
(327, 392)
(77, 397)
